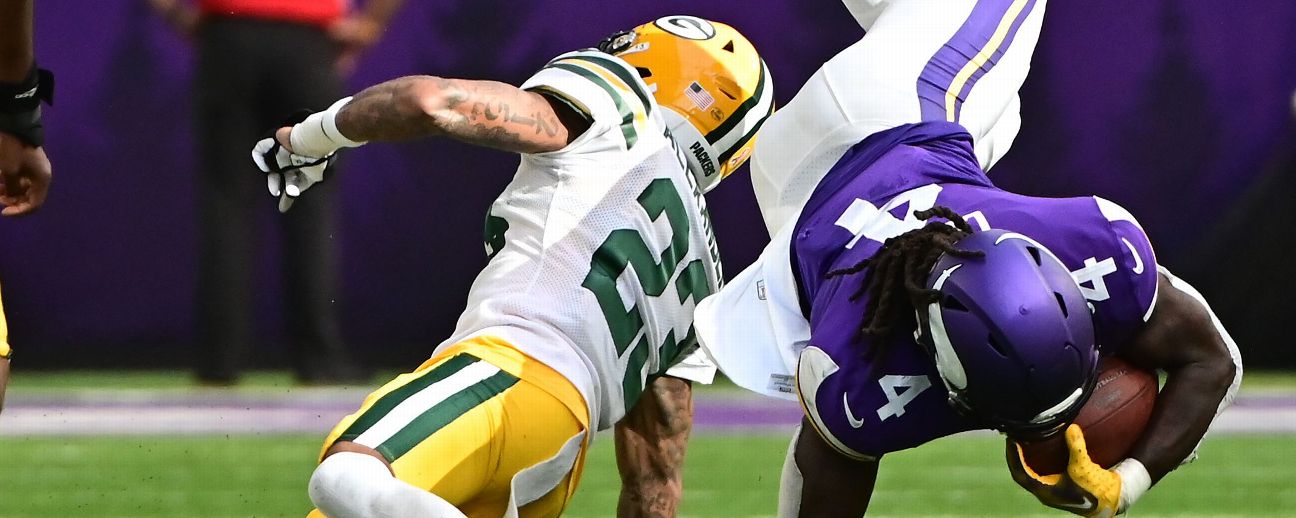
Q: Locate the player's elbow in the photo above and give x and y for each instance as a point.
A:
(432, 101)
(1214, 367)
(1221, 370)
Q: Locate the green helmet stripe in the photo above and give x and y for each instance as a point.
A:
(728, 153)
(737, 116)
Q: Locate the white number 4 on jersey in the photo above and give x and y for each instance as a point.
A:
(900, 390)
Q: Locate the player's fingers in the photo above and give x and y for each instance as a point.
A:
(274, 183)
(294, 183)
(259, 152)
(1017, 467)
(1075, 440)
(35, 198)
(18, 209)
(11, 182)
(285, 203)
(19, 198)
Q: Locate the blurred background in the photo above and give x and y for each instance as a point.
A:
(1180, 110)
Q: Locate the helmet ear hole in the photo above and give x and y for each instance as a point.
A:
(729, 47)
(728, 87)
(994, 344)
(954, 304)
(644, 72)
(1035, 254)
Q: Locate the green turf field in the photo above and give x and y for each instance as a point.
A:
(727, 476)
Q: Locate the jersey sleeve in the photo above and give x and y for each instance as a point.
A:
(605, 90)
(1128, 298)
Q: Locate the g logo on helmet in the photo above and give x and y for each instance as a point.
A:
(689, 27)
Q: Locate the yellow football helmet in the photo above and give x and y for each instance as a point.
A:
(714, 88)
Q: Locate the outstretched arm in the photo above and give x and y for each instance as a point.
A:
(484, 113)
(650, 443)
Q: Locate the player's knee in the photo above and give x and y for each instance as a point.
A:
(339, 485)
(357, 483)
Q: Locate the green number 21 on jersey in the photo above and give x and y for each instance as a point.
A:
(624, 247)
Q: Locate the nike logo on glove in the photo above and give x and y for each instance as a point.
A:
(1086, 504)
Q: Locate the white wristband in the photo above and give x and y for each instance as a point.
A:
(318, 135)
(1135, 481)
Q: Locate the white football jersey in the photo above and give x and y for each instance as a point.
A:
(600, 250)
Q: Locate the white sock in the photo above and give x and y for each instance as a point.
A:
(789, 502)
(356, 485)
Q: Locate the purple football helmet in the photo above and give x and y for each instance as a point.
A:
(1011, 334)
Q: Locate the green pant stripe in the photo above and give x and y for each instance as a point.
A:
(444, 413)
(385, 404)
(627, 117)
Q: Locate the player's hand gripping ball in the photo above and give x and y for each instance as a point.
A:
(1113, 419)
(1085, 488)
(1071, 471)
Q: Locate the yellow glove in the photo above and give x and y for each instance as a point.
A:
(1086, 488)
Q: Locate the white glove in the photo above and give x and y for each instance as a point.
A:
(288, 174)
(315, 140)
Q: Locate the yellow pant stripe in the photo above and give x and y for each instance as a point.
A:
(1000, 34)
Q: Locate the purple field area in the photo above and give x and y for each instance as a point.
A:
(317, 410)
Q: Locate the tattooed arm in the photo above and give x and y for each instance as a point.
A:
(485, 113)
(650, 444)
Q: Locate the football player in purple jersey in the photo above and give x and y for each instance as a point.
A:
(904, 297)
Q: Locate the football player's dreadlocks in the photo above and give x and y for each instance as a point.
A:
(898, 271)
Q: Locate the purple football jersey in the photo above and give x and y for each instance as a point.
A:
(869, 405)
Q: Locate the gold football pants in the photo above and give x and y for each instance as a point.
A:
(475, 425)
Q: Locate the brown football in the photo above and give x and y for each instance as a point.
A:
(1112, 420)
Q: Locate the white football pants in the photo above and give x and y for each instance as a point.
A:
(922, 60)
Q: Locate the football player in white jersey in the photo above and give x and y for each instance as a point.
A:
(600, 248)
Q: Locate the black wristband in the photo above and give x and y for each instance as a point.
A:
(20, 112)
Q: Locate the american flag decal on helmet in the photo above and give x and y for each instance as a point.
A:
(700, 97)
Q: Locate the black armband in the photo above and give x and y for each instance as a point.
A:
(20, 111)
